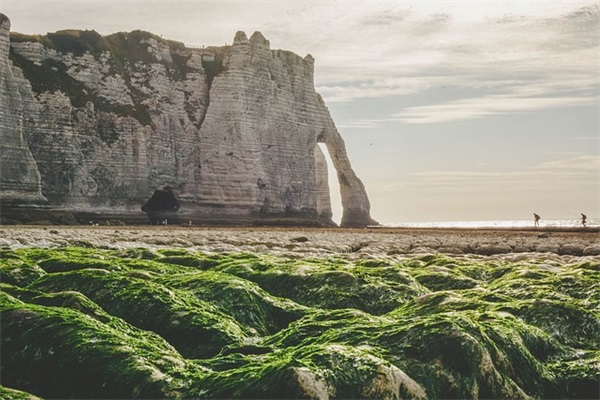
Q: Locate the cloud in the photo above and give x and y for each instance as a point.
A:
(373, 87)
(581, 164)
(521, 58)
(580, 171)
(388, 17)
(479, 107)
(359, 124)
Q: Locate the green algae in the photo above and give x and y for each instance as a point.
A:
(8, 393)
(243, 300)
(58, 352)
(327, 283)
(195, 328)
(141, 323)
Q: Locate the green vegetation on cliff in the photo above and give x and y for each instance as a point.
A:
(124, 52)
(142, 323)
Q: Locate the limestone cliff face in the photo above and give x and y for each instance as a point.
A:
(19, 176)
(233, 130)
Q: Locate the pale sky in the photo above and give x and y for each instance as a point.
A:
(451, 110)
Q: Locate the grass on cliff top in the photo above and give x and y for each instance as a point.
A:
(139, 323)
(125, 49)
(124, 45)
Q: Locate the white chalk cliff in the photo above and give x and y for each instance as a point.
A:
(94, 125)
(20, 179)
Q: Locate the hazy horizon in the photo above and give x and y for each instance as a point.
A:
(451, 111)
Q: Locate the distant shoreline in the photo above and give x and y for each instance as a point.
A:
(371, 228)
(576, 229)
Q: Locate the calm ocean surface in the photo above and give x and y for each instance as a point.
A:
(496, 224)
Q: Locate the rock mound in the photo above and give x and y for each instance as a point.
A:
(139, 323)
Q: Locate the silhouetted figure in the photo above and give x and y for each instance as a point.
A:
(161, 205)
(536, 219)
(583, 219)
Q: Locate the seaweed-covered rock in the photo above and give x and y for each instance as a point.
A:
(141, 323)
(8, 393)
(241, 299)
(59, 353)
(195, 328)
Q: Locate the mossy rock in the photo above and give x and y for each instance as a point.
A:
(195, 328)
(19, 273)
(13, 394)
(243, 300)
(59, 353)
(142, 323)
(374, 288)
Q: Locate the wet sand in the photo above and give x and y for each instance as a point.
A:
(506, 243)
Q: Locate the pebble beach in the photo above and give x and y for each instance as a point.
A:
(347, 243)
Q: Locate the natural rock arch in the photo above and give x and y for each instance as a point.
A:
(355, 202)
(233, 128)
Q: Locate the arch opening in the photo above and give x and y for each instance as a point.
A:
(333, 185)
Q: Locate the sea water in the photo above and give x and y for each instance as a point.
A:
(496, 224)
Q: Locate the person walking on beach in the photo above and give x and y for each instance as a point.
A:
(583, 219)
(537, 219)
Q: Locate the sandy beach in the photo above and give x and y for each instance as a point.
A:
(305, 242)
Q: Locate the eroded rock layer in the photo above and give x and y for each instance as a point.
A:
(97, 124)
(19, 176)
